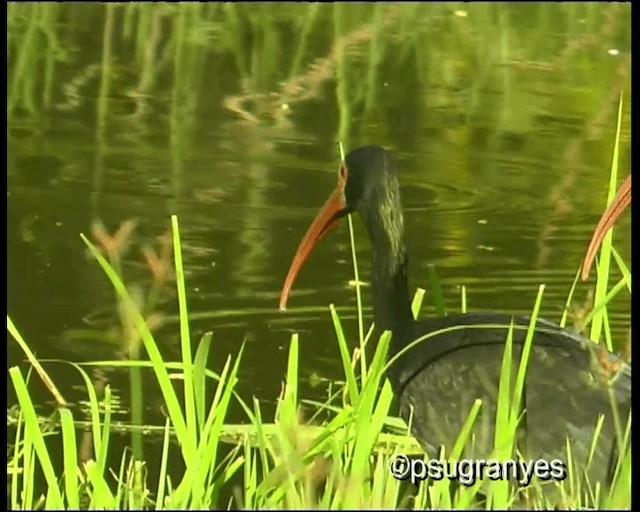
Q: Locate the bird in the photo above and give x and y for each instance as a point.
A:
(619, 204)
(570, 380)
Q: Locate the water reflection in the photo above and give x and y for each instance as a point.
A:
(502, 117)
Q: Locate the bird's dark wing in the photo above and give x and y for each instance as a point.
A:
(570, 382)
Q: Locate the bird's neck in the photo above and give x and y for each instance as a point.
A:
(385, 224)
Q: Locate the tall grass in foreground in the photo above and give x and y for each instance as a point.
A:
(342, 463)
(336, 457)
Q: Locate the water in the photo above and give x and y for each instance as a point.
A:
(502, 118)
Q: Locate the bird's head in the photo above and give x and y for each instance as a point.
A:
(364, 173)
(367, 172)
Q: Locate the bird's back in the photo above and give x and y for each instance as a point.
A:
(567, 386)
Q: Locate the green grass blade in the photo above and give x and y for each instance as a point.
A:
(567, 304)
(463, 299)
(356, 277)
(626, 273)
(594, 441)
(162, 475)
(99, 437)
(29, 466)
(287, 407)
(524, 358)
(199, 377)
(185, 340)
(220, 412)
(465, 431)
(619, 495)
(32, 430)
(605, 251)
(365, 428)
(262, 440)
(103, 451)
(352, 387)
(122, 490)
(416, 303)
(34, 362)
(70, 458)
(600, 307)
(502, 440)
(95, 470)
(14, 467)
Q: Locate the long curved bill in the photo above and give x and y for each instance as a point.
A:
(325, 221)
(608, 219)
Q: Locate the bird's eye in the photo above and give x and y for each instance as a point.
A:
(343, 172)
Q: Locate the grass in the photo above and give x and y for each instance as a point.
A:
(337, 457)
(341, 463)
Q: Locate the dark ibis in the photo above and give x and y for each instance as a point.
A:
(570, 380)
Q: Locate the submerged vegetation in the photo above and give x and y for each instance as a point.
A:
(219, 448)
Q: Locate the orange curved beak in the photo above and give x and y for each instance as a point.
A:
(325, 221)
(608, 219)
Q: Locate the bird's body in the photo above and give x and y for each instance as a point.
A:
(570, 380)
(566, 387)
